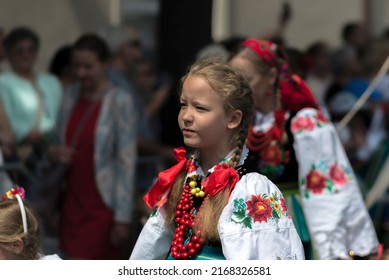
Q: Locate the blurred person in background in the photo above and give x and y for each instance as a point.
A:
(97, 129)
(61, 66)
(319, 71)
(126, 55)
(355, 37)
(125, 71)
(30, 100)
(295, 146)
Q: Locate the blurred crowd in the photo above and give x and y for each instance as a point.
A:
(89, 126)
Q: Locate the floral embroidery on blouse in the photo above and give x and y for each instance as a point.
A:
(325, 177)
(260, 208)
(308, 122)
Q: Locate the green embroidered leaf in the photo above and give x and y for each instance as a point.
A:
(275, 214)
(247, 222)
(275, 196)
(240, 214)
(306, 194)
(329, 183)
(240, 205)
(302, 181)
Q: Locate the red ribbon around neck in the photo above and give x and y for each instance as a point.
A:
(159, 192)
(219, 179)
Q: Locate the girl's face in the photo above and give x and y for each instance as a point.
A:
(88, 69)
(202, 119)
(261, 84)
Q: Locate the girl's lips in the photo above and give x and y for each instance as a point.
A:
(187, 131)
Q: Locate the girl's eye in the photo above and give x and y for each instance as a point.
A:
(199, 108)
(182, 104)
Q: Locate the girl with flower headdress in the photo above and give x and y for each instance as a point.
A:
(19, 229)
(209, 206)
(295, 146)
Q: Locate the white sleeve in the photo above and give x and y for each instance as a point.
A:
(154, 240)
(332, 202)
(255, 224)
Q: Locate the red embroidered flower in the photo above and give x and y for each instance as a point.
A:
(283, 204)
(316, 182)
(338, 175)
(321, 118)
(259, 208)
(303, 123)
(272, 155)
(284, 208)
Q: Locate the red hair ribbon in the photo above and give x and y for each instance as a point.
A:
(159, 192)
(295, 94)
(219, 179)
(264, 49)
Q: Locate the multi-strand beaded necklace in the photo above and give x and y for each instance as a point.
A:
(185, 214)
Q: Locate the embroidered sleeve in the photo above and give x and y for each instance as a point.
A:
(323, 165)
(332, 201)
(256, 223)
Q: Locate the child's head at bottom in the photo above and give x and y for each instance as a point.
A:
(216, 107)
(19, 234)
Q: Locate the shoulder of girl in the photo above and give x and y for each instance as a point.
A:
(254, 183)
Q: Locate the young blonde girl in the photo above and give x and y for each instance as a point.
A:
(209, 206)
(19, 229)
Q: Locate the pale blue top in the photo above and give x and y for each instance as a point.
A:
(21, 103)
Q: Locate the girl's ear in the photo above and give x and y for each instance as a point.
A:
(17, 246)
(235, 119)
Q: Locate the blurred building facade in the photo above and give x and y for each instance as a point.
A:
(62, 21)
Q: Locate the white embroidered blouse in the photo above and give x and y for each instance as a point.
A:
(255, 224)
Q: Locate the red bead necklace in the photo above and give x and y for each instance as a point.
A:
(184, 223)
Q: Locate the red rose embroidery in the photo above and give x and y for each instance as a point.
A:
(284, 208)
(303, 123)
(272, 155)
(338, 175)
(283, 204)
(316, 182)
(259, 208)
(321, 118)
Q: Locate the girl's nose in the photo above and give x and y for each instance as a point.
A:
(187, 116)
